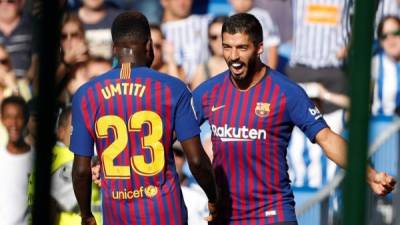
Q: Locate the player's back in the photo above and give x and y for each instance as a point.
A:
(131, 115)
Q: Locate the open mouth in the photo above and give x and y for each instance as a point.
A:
(237, 67)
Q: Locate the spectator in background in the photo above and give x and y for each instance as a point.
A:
(187, 33)
(97, 19)
(65, 208)
(74, 53)
(15, 163)
(281, 12)
(77, 66)
(8, 81)
(16, 36)
(387, 8)
(386, 70)
(270, 32)
(216, 63)
(62, 190)
(9, 84)
(84, 72)
(319, 47)
(61, 180)
(74, 48)
(320, 38)
(164, 60)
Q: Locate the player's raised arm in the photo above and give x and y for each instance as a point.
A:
(335, 148)
(82, 181)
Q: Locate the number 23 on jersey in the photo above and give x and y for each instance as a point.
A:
(121, 130)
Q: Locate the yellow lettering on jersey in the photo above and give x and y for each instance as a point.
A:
(115, 89)
(106, 93)
(137, 87)
(124, 88)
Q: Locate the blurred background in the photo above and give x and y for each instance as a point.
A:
(308, 40)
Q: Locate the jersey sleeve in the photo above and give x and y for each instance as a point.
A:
(81, 137)
(198, 106)
(305, 114)
(186, 125)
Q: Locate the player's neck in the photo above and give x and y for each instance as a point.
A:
(134, 62)
(250, 81)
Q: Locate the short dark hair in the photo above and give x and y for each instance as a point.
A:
(131, 26)
(16, 100)
(244, 23)
(379, 30)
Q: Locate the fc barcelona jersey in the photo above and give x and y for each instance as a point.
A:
(250, 134)
(131, 115)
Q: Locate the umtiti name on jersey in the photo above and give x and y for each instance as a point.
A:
(123, 88)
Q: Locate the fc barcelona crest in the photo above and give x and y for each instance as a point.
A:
(262, 109)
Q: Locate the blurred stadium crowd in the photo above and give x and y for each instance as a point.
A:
(308, 40)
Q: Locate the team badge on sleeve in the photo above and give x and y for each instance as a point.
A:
(262, 109)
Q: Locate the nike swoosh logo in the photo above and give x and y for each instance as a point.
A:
(213, 109)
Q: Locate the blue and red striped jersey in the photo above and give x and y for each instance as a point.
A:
(250, 134)
(131, 115)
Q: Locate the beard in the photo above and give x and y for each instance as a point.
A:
(249, 69)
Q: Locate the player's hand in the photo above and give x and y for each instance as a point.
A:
(88, 221)
(212, 207)
(96, 175)
(381, 183)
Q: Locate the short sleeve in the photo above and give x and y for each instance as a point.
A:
(198, 106)
(81, 138)
(186, 125)
(305, 114)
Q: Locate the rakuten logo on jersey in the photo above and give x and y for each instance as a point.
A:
(238, 134)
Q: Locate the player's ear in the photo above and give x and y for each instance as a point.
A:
(149, 52)
(149, 45)
(260, 48)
